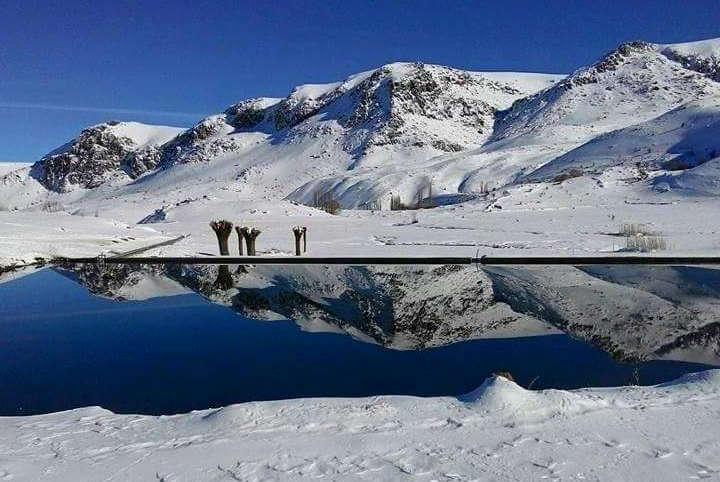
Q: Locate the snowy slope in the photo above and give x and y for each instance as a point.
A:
(6, 167)
(413, 130)
(498, 432)
(702, 56)
(635, 99)
(633, 129)
(396, 114)
(682, 138)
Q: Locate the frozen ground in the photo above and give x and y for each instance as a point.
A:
(581, 216)
(499, 432)
(25, 237)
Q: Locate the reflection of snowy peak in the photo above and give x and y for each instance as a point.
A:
(633, 312)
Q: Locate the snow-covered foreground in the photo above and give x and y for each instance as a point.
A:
(23, 236)
(498, 432)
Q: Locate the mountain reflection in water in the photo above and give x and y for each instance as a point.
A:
(166, 339)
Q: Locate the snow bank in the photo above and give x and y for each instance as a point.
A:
(498, 432)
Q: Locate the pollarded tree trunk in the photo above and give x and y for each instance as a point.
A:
(304, 235)
(252, 235)
(223, 230)
(245, 232)
(297, 231)
(240, 236)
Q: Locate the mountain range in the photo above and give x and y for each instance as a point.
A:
(412, 129)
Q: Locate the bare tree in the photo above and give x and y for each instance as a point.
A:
(240, 236)
(304, 233)
(298, 232)
(326, 201)
(223, 230)
(245, 233)
(251, 235)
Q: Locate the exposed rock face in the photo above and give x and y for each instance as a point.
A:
(632, 84)
(137, 163)
(703, 57)
(395, 108)
(401, 105)
(88, 162)
(200, 143)
(101, 153)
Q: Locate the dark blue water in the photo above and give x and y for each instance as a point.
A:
(62, 348)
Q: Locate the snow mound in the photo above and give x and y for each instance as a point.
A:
(508, 400)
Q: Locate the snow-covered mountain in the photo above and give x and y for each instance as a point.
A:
(104, 152)
(397, 113)
(513, 161)
(414, 130)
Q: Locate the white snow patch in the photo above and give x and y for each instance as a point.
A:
(499, 432)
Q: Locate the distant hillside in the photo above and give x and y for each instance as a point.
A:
(410, 130)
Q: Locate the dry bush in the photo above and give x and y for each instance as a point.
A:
(639, 237)
(569, 174)
(396, 204)
(634, 229)
(374, 205)
(327, 202)
(646, 243)
(51, 207)
(484, 187)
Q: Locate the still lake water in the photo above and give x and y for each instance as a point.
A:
(62, 347)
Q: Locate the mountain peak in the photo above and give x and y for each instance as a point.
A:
(702, 56)
(101, 152)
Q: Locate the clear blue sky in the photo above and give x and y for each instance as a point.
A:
(68, 64)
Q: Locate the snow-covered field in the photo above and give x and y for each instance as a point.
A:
(516, 163)
(498, 432)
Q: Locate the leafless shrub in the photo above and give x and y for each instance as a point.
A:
(569, 174)
(639, 237)
(396, 204)
(646, 243)
(327, 202)
(423, 200)
(51, 207)
(374, 205)
(634, 229)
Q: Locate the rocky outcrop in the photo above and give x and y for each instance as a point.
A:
(398, 105)
(101, 153)
(90, 160)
